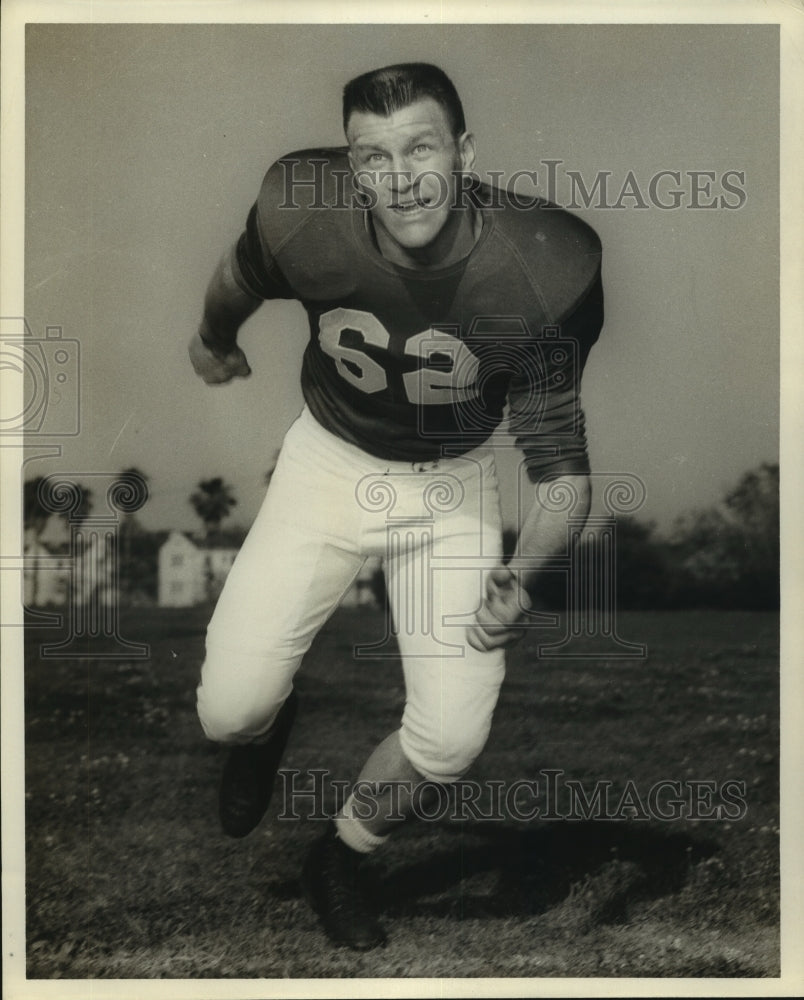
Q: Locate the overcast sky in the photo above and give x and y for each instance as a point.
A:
(146, 145)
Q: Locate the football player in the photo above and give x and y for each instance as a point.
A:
(434, 302)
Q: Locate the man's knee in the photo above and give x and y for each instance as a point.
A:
(448, 713)
(444, 754)
(241, 692)
(237, 714)
(234, 722)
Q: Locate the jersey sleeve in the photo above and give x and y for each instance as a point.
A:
(286, 232)
(545, 414)
(253, 265)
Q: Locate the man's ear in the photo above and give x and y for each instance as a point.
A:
(466, 151)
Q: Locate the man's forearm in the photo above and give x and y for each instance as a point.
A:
(226, 308)
(543, 532)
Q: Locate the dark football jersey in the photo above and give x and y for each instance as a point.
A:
(412, 364)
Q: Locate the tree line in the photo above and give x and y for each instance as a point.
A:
(726, 556)
(723, 556)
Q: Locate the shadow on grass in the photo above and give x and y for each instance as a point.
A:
(504, 872)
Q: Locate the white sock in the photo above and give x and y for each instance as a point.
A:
(352, 831)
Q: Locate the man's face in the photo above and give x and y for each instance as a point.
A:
(405, 163)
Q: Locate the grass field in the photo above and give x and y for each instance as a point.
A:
(129, 876)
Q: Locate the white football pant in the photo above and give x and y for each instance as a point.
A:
(329, 507)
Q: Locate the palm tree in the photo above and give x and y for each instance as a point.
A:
(35, 517)
(134, 483)
(35, 514)
(83, 509)
(137, 482)
(212, 501)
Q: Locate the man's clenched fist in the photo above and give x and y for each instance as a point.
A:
(498, 622)
(217, 367)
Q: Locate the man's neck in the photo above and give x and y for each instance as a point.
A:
(453, 243)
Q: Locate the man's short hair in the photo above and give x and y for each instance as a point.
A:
(383, 91)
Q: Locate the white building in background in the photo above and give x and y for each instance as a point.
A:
(191, 571)
(46, 575)
(55, 575)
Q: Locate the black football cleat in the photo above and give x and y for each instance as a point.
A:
(334, 886)
(247, 782)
